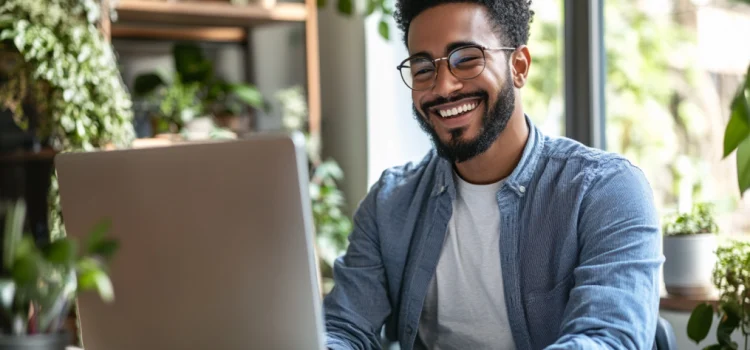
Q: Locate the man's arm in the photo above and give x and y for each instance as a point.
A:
(358, 305)
(615, 301)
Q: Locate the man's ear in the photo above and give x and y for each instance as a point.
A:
(520, 62)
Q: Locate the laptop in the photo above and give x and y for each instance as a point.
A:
(216, 245)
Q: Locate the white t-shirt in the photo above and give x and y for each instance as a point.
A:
(465, 303)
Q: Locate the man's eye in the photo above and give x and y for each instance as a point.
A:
(422, 71)
(466, 61)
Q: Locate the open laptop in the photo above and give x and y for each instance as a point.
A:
(216, 245)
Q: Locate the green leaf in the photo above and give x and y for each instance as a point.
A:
(383, 29)
(96, 278)
(97, 235)
(62, 251)
(106, 249)
(322, 3)
(190, 64)
(346, 7)
(372, 5)
(26, 270)
(727, 325)
(147, 83)
(738, 128)
(713, 347)
(248, 94)
(743, 165)
(14, 219)
(700, 321)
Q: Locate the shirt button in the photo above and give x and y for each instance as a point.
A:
(522, 189)
(409, 330)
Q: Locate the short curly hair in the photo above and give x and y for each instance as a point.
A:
(512, 18)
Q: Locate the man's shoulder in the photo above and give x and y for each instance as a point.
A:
(571, 153)
(404, 183)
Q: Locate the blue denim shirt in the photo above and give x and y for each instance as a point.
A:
(580, 251)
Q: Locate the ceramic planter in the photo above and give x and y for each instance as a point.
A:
(689, 264)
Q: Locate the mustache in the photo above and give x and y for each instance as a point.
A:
(441, 100)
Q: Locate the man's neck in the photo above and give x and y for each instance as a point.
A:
(499, 161)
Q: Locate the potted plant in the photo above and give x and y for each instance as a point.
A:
(194, 91)
(38, 285)
(689, 246)
(61, 83)
(332, 225)
(731, 276)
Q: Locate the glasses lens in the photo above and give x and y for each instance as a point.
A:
(418, 73)
(467, 63)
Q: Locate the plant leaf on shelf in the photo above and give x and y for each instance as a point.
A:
(61, 251)
(743, 165)
(190, 64)
(92, 276)
(346, 7)
(14, 219)
(372, 5)
(700, 321)
(729, 322)
(146, 83)
(248, 94)
(383, 29)
(97, 235)
(738, 128)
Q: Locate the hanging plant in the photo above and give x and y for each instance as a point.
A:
(60, 80)
(59, 63)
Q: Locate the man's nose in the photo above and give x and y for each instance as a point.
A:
(446, 84)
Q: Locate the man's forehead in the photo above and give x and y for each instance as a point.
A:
(436, 30)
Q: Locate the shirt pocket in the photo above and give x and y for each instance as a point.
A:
(544, 312)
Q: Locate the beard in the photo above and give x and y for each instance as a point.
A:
(494, 121)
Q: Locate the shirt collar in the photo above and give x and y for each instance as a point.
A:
(519, 179)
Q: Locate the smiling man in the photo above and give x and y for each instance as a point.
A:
(502, 237)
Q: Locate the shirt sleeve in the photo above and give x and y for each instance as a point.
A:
(358, 305)
(614, 303)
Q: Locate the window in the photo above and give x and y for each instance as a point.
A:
(673, 67)
(543, 97)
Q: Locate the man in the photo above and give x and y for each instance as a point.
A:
(501, 238)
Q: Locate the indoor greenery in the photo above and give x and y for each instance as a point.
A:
(332, 225)
(38, 285)
(193, 90)
(383, 7)
(732, 278)
(737, 134)
(56, 60)
(700, 220)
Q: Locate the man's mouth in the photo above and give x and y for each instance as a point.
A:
(455, 109)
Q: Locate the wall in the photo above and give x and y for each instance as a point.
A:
(393, 136)
(343, 97)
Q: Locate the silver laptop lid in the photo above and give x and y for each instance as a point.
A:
(216, 245)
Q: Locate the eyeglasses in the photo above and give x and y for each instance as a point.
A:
(420, 73)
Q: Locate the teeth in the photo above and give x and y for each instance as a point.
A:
(445, 113)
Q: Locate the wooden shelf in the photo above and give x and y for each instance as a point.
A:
(207, 13)
(213, 34)
(685, 304)
(45, 154)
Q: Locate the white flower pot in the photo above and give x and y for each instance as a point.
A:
(689, 264)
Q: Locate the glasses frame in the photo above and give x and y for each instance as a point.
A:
(450, 69)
